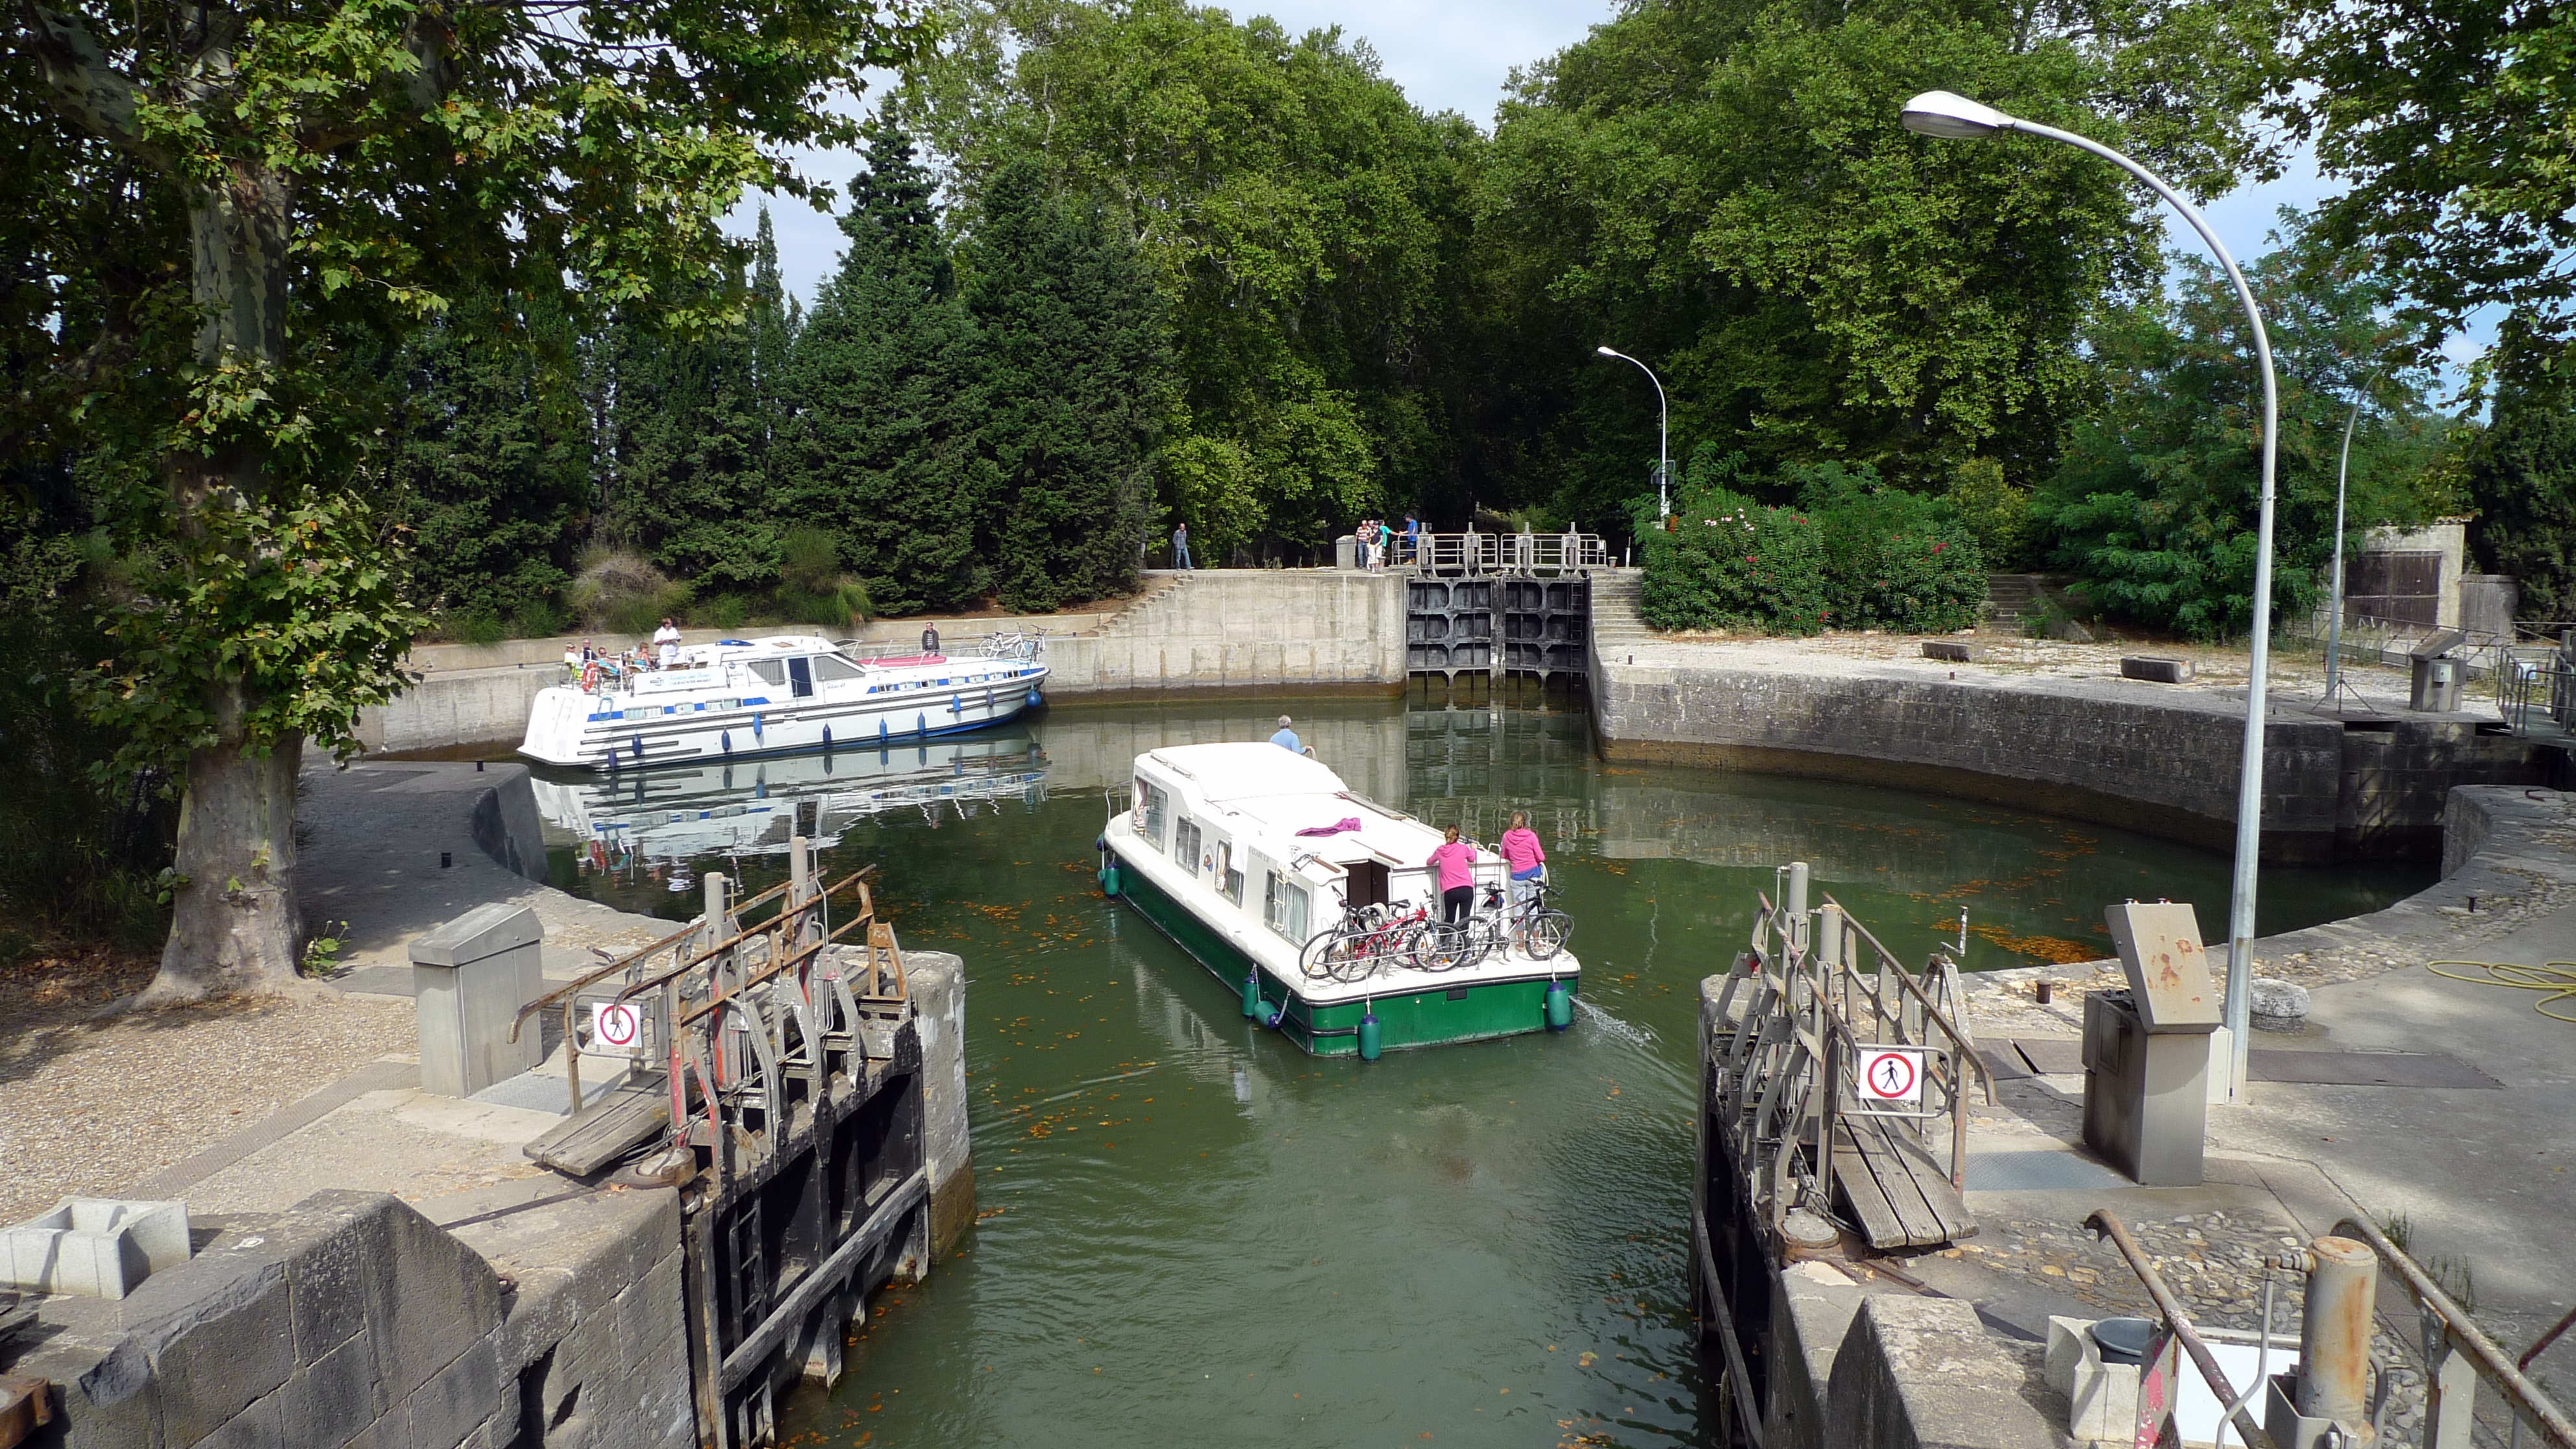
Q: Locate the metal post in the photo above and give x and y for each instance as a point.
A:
(2334, 1334)
(1797, 905)
(2334, 620)
(1940, 114)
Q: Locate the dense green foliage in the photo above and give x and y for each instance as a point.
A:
(2153, 504)
(1848, 553)
(2521, 475)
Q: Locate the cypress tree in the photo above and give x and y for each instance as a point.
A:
(1080, 374)
(688, 455)
(490, 459)
(883, 447)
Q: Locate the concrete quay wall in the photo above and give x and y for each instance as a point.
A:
(2114, 752)
(1239, 630)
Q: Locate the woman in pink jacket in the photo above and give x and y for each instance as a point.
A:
(1453, 867)
(1527, 862)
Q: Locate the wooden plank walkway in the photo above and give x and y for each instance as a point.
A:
(1900, 1197)
(610, 1128)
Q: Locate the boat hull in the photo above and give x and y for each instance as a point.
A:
(1481, 1009)
(566, 728)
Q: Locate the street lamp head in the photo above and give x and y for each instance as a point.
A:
(1939, 113)
(1606, 352)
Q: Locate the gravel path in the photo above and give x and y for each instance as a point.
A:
(91, 1108)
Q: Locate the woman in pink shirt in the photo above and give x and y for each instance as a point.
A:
(1453, 864)
(1526, 861)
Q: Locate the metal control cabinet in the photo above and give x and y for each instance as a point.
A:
(469, 979)
(2146, 1094)
(2146, 1049)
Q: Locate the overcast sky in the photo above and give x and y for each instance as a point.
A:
(1454, 55)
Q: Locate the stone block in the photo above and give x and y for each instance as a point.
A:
(1949, 651)
(332, 1251)
(451, 1403)
(2276, 1005)
(1923, 1373)
(2156, 669)
(216, 1334)
(429, 1301)
(254, 1427)
(97, 1247)
(324, 1404)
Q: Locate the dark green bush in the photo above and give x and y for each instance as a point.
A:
(1854, 554)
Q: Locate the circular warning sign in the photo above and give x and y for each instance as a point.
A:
(616, 1026)
(1891, 1074)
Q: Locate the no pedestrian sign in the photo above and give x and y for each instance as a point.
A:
(1891, 1074)
(616, 1026)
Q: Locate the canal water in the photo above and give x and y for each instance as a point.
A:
(1188, 1231)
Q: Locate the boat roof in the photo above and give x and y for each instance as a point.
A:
(1247, 770)
(1288, 793)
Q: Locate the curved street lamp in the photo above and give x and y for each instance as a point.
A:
(1663, 438)
(1940, 113)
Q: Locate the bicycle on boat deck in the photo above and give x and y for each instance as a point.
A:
(1535, 928)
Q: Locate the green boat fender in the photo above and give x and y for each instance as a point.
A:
(1252, 995)
(1109, 881)
(1560, 1006)
(1372, 1037)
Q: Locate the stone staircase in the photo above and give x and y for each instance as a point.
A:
(1159, 597)
(2013, 599)
(1616, 626)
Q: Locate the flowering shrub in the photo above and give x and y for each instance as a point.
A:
(1853, 555)
(1735, 564)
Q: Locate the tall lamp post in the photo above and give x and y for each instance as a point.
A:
(1663, 438)
(2334, 621)
(1939, 113)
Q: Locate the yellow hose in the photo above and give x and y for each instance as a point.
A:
(2558, 978)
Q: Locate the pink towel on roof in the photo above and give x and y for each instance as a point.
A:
(1347, 822)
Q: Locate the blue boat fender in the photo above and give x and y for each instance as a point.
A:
(1560, 1006)
(1035, 699)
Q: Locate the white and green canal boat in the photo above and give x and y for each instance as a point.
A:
(1324, 934)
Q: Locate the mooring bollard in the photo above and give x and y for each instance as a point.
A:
(2334, 1336)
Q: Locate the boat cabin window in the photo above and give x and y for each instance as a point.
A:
(1229, 872)
(1185, 845)
(1283, 906)
(770, 671)
(1151, 803)
(1366, 884)
(829, 667)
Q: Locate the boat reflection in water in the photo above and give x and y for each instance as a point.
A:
(753, 807)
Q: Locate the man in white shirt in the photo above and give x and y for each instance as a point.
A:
(666, 645)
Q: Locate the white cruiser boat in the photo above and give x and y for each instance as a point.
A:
(1210, 851)
(757, 806)
(773, 696)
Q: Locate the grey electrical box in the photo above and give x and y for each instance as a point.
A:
(2436, 688)
(2146, 1094)
(2146, 1049)
(469, 979)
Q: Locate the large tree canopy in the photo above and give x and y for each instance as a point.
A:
(2454, 123)
(1722, 188)
(1301, 216)
(290, 177)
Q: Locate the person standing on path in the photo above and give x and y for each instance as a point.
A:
(1526, 860)
(1412, 538)
(1287, 739)
(666, 645)
(1453, 867)
(1181, 546)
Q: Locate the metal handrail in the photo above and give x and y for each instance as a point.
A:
(2108, 1224)
(2460, 1334)
(1964, 1045)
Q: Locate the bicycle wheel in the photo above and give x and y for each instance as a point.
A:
(1546, 932)
(1323, 954)
(1446, 947)
(1367, 951)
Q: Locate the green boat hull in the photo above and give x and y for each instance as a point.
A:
(1477, 1011)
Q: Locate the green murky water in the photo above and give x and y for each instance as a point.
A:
(1192, 1233)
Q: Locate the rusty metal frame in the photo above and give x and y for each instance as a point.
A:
(2178, 1323)
(2457, 1354)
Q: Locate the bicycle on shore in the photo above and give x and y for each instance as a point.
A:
(1534, 928)
(1368, 937)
